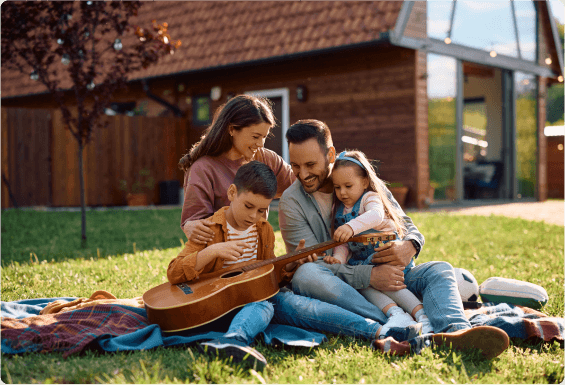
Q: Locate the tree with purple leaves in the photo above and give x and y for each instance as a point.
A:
(82, 52)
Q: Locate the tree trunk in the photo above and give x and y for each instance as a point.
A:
(82, 194)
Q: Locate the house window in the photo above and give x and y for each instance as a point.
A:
(502, 27)
(201, 110)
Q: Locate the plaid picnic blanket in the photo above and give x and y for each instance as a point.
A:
(69, 332)
(29, 326)
(517, 321)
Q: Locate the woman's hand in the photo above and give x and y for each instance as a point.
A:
(332, 260)
(199, 231)
(343, 233)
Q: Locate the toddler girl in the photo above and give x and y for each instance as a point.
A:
(362, 206)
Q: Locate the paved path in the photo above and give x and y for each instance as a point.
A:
(551, 211)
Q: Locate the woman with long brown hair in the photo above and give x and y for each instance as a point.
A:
(236, 136)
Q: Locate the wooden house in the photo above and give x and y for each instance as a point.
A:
(448, 96)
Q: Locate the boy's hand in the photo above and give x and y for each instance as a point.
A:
(343, 233)
(332, 260)
(230, 251)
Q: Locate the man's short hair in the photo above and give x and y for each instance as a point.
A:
(306, 129)
(257, 178)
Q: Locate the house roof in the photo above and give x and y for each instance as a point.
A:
(220, 33)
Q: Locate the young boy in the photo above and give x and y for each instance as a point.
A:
(241, 234)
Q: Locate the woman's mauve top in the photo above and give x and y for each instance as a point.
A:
(206, 182)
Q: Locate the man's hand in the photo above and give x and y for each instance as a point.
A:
(332, 260)
(199, 231)
(311, 258)
(343, 233)
(387, 277)
(398, 253)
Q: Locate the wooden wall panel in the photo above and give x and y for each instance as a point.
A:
(555, 169)
(40, 159)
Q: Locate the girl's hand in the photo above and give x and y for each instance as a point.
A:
(199, 231)
(343, 233)
(332, 260)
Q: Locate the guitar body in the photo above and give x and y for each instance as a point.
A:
(203, 300)
(191, 304)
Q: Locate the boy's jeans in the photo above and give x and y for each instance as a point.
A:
(433, 282)
(288, 308)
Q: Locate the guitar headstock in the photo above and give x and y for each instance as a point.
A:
(373, 238)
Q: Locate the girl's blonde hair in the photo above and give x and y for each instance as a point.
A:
(375, 184)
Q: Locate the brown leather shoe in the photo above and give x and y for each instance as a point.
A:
(490, 340)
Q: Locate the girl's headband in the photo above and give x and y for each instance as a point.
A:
(342, 156)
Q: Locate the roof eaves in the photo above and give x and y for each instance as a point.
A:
(383, 39)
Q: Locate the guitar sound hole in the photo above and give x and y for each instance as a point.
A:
(232, 274)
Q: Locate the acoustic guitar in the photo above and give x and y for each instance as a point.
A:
(203, 300)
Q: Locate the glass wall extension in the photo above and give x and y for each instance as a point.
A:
(500, 27)
(442, 127)
(525, 86)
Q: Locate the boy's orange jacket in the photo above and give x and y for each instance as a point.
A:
(181, 269)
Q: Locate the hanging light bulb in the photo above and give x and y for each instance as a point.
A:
(90, 86)
(560, 78)
(34, 75)
(118, 44)
(65, 59)
(447, 40)
(548, 60)
(492, 53)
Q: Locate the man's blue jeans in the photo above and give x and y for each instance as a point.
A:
(287, 308)
(433, 282)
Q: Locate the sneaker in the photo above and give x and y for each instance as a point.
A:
(239, 351)
(490, 340)
(399, 319)
(404, 334)
(426, 325)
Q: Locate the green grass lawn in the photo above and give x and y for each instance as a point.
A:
(128, 253)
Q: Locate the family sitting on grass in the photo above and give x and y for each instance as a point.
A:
(377, 293)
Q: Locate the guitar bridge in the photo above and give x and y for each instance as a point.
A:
(185, 288)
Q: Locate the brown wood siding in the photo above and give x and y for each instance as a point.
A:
(26, 162)
(542, 141)
(421, 127)
(40, 158)
(366, 96)
(555, 169)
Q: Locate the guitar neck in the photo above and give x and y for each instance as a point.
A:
(295, 255)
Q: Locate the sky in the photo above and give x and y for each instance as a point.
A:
(558, 10)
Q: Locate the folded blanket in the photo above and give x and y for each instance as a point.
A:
(517, 321)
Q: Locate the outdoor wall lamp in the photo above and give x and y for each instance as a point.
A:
(548, 60)
(301, 93)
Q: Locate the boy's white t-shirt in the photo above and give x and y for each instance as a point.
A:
(249, 236)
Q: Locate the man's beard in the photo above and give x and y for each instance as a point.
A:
(321, 180)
